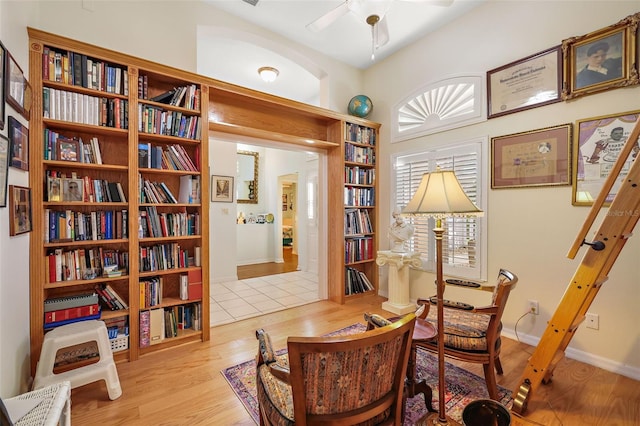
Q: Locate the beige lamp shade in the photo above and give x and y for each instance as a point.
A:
(440, 194)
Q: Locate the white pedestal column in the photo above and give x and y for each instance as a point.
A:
(399, 263)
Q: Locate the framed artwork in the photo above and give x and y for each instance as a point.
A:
(601, 60)
(54, 189)
(4, 169)
(68, 150)
(3, 98)
(598, 144)
(535, 158)
(222, 188)
(20, 210)
(17, 87)
(19, 137)
(527, 83)
(72, 189)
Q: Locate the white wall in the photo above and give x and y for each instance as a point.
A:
(530, 229)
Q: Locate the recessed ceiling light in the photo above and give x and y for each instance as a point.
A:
(268, 74)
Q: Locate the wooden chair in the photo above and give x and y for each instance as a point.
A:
(345, 380)
(472, 334)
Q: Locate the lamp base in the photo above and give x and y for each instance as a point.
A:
(433, 419)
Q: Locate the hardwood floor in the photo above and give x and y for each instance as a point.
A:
(270, 268)
(184, 386)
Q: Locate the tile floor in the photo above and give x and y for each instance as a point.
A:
(235, 300)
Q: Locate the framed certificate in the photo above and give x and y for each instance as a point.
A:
(527, 83)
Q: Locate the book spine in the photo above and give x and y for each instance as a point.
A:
(69, 321)
(71, 313)
(70, 302)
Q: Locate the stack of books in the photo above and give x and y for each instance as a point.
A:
(65, 310)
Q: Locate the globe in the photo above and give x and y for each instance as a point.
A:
(360, 106)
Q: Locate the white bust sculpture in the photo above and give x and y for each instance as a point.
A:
(399, 232)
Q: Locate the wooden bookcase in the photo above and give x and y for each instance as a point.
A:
(117, 110)
(353, 219)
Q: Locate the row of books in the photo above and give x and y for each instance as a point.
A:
(356, 282)
(86, 264)
(358, 249)
(155, 120)
(354, 196)
(110, 298)
(159, 324)
(357, 221)
(359, 154)
(58, 147)
(360, 134)
(162, 257)
(359, 176)
(153, 224)
(80, 108)
(155, 192)
(184, 96)
(64, 187)
(151, 289)
(69, 225)
(68, 309)
(172, 157)
(81, 70)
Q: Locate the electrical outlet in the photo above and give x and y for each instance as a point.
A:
(593, 321)
(533, 307)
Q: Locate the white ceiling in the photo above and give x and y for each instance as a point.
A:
(347, 39)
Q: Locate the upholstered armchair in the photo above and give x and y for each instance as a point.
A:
(472, 334)
(348, 380)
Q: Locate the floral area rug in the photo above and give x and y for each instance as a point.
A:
(462, 386)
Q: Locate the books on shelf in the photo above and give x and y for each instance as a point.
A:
(81, 108)
(110, 298)
(65, 310)
(57, 303)
(189, 189)
(71, 313)
(356, 282)
(195, 284)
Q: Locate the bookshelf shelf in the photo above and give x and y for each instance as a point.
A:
(87, 96)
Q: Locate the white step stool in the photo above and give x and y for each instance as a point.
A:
(74, 334)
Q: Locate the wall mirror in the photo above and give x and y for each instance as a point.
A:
(247, 171)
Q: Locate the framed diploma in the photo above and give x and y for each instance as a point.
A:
(527, 83)
(536, 158)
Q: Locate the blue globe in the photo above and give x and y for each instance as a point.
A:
(360, 106)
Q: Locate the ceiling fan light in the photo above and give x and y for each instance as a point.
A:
(268, 74)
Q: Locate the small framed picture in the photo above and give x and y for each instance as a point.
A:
(20, 210)
(72, 189)
(222, 189)
(68, 150)
(4, 169)
(598, 144)
(601, 60)
(19, 137)
(54, 189)
(3, 98)
(17, 88)
(539, 157)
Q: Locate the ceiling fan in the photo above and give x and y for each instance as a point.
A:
(373, 12)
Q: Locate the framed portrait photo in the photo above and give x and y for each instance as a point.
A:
(72, 190)
(68, 150)
(19, 138)
(601, 60)
(599, 141)
(539, 157)
(527, 83)
(18, 90)
(222, 189)
(20, 210)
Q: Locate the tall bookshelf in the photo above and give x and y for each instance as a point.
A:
(83, 93)
(353, 220)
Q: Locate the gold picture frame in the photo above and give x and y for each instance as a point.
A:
(20, 210)
(539, 157)
(599, 140)
(601, 60)
(18, 90)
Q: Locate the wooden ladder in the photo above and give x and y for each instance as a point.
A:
(592, 272)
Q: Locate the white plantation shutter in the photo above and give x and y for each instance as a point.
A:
(463, 237)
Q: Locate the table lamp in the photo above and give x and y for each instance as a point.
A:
(440, 195)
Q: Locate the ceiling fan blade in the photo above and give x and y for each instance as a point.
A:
(328, 18)
(383, 32)
(432, 2)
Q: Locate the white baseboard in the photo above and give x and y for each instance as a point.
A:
(582, 356)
